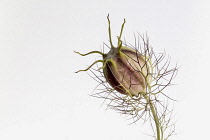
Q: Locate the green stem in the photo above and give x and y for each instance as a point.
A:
(89, 53)
(102, 61)
(156, 119)
(110, 36)
(119, 38)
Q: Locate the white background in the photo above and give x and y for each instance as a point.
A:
(42, 98)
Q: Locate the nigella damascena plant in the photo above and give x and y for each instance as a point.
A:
(133, 79)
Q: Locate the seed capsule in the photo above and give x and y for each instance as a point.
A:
(126, 70)
(138, 76)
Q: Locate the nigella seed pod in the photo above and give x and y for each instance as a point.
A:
(126, 70)
(132, 80)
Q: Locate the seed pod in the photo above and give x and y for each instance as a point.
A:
(126, 70)
(133, 73)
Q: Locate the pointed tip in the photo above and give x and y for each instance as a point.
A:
(108, 16)
(77, 52)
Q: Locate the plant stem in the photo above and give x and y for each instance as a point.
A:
(155, 117)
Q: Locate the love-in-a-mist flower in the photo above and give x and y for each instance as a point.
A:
(132, 78)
